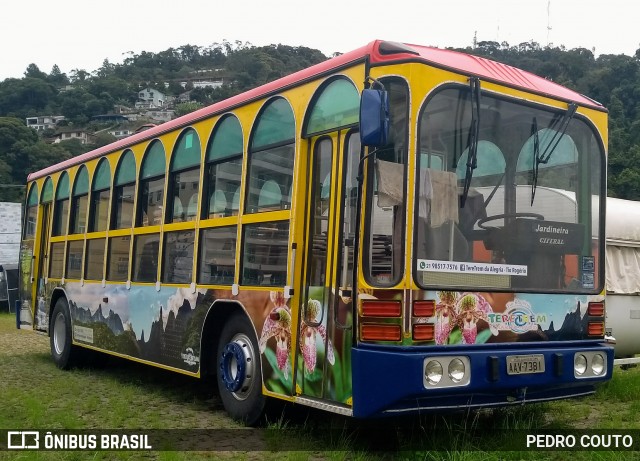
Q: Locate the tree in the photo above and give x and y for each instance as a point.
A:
(19, 97)
(111, 88)
(21, 153)
(57, 78)
(102, 139)
(79, 75)
(106, 70)
(187, 107)
(34, 72)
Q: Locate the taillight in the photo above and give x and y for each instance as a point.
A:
(424, 308)
(595, 329)
(596, 309)
(377, 308)
(379, 332)
(423, 331)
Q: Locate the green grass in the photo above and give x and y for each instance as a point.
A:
(116, 394)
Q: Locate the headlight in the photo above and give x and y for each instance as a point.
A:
(433, 372)
(456, 370)
(597, 364)
(590, 365)
(446, 371)
(580, 364)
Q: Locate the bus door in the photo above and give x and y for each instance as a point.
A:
(323, 361)
(42, 266)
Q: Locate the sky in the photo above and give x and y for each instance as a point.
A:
(81, 34)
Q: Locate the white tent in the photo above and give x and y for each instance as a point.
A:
(623, 275)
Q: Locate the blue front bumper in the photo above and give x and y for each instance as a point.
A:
(390, 380)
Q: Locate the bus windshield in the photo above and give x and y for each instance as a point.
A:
(521, 211)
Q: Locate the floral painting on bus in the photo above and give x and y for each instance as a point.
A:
(322, 355)
(474, 318)
(164, 326)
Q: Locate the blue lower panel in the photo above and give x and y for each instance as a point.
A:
(388, 381)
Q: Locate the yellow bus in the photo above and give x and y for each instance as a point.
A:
(374, 235)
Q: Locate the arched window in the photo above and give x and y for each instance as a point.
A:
(336, 106)
(271, 155)
(224, 169)
(100, 195)
(79, 202)
(151, 190)
(47, 191)
(185, 178)
(32, 212)
(124, 188)
(182, 206)
(61, 211)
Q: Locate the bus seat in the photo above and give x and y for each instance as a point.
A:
(192, 209)
(217, 204)
(235, 202)
(178, 211)
(270, 195)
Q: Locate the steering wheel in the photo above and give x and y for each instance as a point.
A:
(483, 221)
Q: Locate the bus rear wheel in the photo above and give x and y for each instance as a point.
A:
(239, 371)
(64, 353)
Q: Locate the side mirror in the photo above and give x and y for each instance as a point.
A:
(374, 117)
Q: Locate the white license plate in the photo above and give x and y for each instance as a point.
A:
(525, 364)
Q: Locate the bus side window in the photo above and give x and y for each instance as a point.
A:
(386, 214)
(223, 172)
(151, 189)
(145, 263)
(177, 264)
(217, 256)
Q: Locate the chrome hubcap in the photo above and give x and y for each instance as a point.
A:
(59, 333)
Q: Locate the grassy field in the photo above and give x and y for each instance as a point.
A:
(115, 394)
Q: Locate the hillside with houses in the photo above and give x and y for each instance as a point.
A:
(152, 107)
(49, 117)
(46, 118)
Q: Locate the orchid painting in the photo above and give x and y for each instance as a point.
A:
(457, 317)
(445, 316)
(471, 308)
(309, 337)
(278, 325)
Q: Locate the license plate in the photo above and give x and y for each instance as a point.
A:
(525, 364)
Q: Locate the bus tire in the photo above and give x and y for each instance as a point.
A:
(64, 353)
(239, 371)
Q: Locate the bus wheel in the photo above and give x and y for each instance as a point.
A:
(64, 354)
(239, 371)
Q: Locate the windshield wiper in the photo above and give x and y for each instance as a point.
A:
(474, 134)
(536, 157)
(551, 146)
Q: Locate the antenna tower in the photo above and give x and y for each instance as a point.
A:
(548, 20)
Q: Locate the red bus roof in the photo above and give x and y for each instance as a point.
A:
(377, 52)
